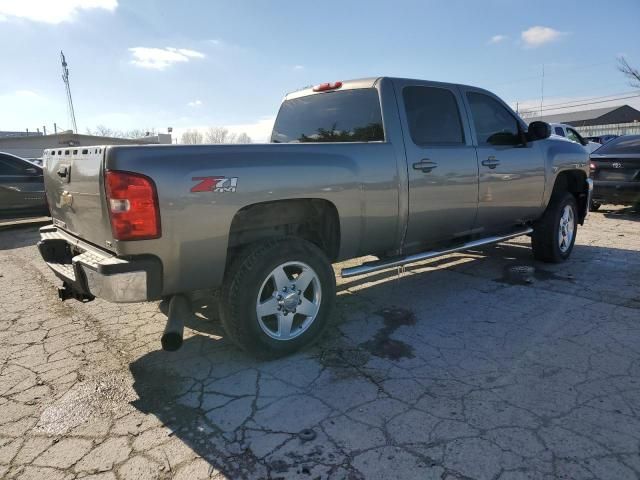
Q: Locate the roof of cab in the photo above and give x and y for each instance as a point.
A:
(369, 82)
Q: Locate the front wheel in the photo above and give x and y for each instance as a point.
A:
(555, 233)
(277, 296)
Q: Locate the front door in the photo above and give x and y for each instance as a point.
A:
(512, 174)
(442, 164)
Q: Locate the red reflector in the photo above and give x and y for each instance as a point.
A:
(323, 87)
(133, 206)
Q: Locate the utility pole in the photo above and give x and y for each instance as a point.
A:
(65, 79)
(542, 90)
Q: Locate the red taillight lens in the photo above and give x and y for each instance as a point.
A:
(133, 206)
(323, 87)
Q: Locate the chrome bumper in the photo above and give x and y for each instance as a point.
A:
(91, 272)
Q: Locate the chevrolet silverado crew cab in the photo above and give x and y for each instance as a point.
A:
(401, 169)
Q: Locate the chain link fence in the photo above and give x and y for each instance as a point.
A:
(613, 129)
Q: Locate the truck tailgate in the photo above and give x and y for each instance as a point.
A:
(74, 186)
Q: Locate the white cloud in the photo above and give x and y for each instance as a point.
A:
(298, 67)
(537, 36)
(51, 11)
(497, 39)
(161, 58)
(195, 103)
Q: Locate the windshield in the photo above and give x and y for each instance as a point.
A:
(344, 116)
(621, 145)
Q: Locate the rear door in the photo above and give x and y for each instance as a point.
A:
(442, 163)
(512, 175)
(21, 185)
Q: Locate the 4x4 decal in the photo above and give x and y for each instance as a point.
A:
(215, 184)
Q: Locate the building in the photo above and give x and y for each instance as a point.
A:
(26, 133)
(34, 146)
(598, 116)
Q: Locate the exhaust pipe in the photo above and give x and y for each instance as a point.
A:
(179, 309)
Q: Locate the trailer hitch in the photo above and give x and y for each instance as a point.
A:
(67, 292)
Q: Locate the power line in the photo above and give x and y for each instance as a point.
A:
(533, 110)
(588, 99)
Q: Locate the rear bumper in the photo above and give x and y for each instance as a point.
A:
(616, 192)
(91, 272)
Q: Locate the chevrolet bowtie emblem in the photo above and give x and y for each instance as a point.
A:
(67, 198)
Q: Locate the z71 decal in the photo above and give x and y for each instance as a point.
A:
(215, 184)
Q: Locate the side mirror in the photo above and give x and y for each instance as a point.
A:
(31, 170)
(538, 131)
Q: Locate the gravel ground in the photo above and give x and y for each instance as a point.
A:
(483, 364)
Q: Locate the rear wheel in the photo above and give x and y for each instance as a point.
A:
(555, 233)
(277, 296)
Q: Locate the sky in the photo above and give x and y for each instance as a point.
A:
(196, 64)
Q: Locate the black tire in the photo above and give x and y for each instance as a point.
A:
(594, 206)
(545, 239)
(244, 282)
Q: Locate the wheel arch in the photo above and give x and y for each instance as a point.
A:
(313, 219)
(575, 182)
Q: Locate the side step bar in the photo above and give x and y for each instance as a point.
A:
(370, 267)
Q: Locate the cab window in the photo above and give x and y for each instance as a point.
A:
(433, 116)
(573, 135)
(493, 123)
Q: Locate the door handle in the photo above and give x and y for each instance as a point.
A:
(425, 165)
(491, 162)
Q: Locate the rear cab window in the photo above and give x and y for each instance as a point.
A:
(340, 116)
(622, 145)
(12, 166)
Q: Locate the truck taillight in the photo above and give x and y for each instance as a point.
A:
(133, 206)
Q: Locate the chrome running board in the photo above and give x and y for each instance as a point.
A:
(370, 267)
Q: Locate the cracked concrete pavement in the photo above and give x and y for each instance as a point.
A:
(468, 366)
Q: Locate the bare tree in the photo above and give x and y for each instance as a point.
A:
(102, 131)
(632, 73)
(139, 133)
(218, 135)
(243, 138)
(192, 137)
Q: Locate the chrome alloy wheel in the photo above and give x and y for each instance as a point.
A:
(567, 227)
(288, 300)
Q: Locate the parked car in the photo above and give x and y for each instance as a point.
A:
(402, 169)
(37, 161)
(615, 170)
(602, 139)
(570, 133)
(21, 187)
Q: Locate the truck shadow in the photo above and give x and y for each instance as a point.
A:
(626, 213)
(226, 406)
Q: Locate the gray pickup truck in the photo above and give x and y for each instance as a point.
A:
(401, 169)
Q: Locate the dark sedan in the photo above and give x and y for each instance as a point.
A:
(21, 188)
(615, 169)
